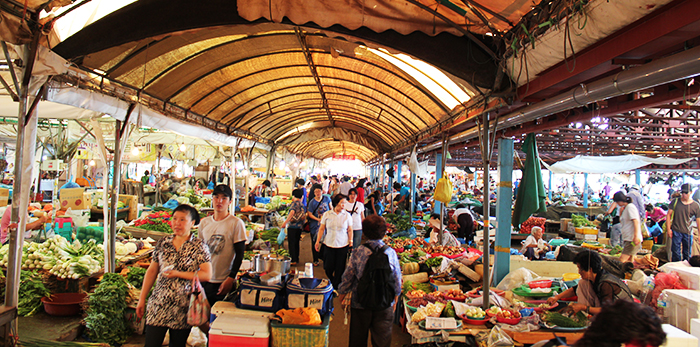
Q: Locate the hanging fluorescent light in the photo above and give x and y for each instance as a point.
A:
(183, 147)
(135, 151)
(91, 163)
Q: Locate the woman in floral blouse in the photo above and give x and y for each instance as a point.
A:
(176, 260)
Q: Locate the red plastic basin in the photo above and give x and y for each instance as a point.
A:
(63, 304)
(540, 284)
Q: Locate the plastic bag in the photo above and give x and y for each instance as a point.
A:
(197, 338)
(80, 217)
(413, 161)
(282, 235)
(498, 337)
(516, 278)
(443, 190)
(665, 281)
(171, 204)
(300, 316)
(198, 312)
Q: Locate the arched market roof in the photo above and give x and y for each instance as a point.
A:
(275, 81)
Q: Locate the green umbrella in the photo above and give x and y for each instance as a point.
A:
(531, 195)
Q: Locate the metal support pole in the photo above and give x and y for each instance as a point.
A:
(270, 162)
(114, 199)
(638, 177)
(438, 176)
(486, 285)
(391, 185)
(442, 206)
(585, 190)
(24, 156)
(504, 209)
(413, 194)
(156, 172)
(398, 171)
(550, 186)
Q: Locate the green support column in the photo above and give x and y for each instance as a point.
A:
(438, 176)
(638, 177)
(504, 209)
(413, 194)
(585, 190)
(550, 186)
(398, 171)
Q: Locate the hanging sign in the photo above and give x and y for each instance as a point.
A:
(343, 157)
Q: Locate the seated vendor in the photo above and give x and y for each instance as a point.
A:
(534, 246)
(597, 287)
(447, 238)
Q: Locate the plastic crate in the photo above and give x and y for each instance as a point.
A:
(286, 335)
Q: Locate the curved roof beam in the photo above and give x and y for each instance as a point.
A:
(334, 133)
(314, 118)
(427, 94)
(372, 101)
(262, 102)
(292, 122)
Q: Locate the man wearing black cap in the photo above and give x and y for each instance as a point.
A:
(225, 236)
(679, 228)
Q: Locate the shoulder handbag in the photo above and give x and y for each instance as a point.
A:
(307, 226)
(198, 312)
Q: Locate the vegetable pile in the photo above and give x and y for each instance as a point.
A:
(526, 226)
(397, 222)
(59, 257)
(580, 221)
(156, 221)
(135, 276)
(270, 234)
(105, 313)
(31, 290)
(555, 318)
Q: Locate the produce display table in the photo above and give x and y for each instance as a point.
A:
(531, 337)
(7, 315)
(143, 233)
(258, 212)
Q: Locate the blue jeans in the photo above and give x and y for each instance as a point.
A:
(616, 235)
(679, 239)
(655, 230)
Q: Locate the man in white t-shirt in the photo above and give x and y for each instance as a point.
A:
(326, 184)
(534, 247)
(225, 236)
(345, 186)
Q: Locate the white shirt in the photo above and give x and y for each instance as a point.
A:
(359, 209)
(345, 188)
(530, 240)
(326, 184)
(336, 225)
(459, 211)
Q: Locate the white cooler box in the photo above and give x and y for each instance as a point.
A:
(690, 276)
(678, 338)
(683, 305)
(232, 330)
(225, 307)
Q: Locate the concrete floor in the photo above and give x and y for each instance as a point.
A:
(338, 332)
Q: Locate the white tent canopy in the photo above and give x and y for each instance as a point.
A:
(612, 164)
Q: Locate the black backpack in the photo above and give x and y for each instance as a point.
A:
(377, 287)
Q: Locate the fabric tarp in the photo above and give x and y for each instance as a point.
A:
(531, 194)
(602, 18)
(611, 164)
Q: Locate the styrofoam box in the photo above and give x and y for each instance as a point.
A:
(587, 237)
(683, 305)
(690, 276)
(695, 328)
(678, 338)
(232, 330)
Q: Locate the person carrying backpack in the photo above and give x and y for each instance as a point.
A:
(374, 278)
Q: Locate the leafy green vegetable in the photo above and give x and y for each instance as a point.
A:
(31, 290)
(581, 221)
(270, 234)
(408, 286)
(105, 318)
(135, 276)
(434, 261)
(560, 320)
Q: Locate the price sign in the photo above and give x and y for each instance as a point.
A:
(343, 157)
